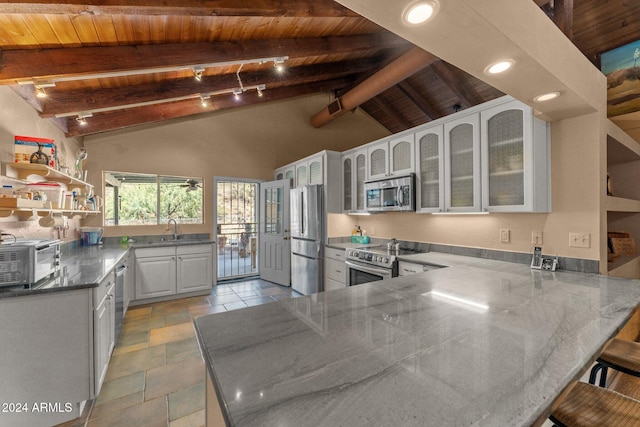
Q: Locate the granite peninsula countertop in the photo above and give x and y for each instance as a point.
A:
(403, 352)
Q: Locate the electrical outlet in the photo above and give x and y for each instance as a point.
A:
(579, 240)
(504, 235)
(536, 237)
(372, 231)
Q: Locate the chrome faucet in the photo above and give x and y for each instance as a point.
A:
(175, 228)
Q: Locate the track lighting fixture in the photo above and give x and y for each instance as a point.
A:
(277, 63)
(204, 98)
(237, 92)
(40, 87)
(82, 118)
(197, 72)
(259, 89)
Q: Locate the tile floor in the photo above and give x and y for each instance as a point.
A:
(156, 375)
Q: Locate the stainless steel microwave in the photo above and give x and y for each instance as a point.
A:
(391, 194)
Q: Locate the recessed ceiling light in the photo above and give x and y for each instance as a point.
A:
(418, 13)
(546, 97)
(500, 66)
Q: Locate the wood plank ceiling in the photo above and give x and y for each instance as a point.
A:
(128, 63)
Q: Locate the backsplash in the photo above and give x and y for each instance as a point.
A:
(565, 263)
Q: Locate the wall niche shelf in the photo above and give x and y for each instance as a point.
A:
(622, 202)
(25, 214)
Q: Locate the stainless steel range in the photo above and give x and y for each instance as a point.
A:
(371, 264)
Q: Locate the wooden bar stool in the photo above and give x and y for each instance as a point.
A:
(586, 405)
(621, 355)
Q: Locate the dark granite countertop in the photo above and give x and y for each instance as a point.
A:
(85, 267)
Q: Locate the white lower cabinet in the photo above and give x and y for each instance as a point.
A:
(173, 270)
(195, 270)
(406, 268)
(335, 272)
(103, 329)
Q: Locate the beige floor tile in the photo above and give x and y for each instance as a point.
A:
(115, 405)
(152, 413)
(120, 387)
(145, 324)
(187, 401)
(128, 338)
(204, 309)
(127, 349)
(178, 317)
(137, 313)
(204, 299)
(167, 334)
(171, 378)
(136, 361)
(197, 419)
(168, 307)
(182, 350)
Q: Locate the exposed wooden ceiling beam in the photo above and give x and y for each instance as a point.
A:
(467, 95)
(397, 118)
(425, 106)
(51, 63)
(82, 100)
(306, 8)
(563, 17)
(120, 119)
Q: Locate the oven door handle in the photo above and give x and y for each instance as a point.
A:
(368, 269)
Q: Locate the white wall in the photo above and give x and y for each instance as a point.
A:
(246, 142)
(575, 206)
(18, 118)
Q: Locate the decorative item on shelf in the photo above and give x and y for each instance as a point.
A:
(39, 157)
(45, 154)
(609, 186)
(81, 155)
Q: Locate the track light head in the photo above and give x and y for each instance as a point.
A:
(237, 92)
(197, 73)
(259, 89)
(203, 99)
(40, 92)
(277, 63)
(82, 118)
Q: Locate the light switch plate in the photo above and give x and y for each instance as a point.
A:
(504, 235)
(579, 240)
(536, 237)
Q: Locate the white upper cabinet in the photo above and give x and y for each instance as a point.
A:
(462, 164)
(430, 170)
(393, 157)
(316, 175)
(286, 172)
(515, 160)
(401, 155)
(302, 176)
(347, 183)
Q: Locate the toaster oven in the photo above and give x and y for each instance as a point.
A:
(28, 261)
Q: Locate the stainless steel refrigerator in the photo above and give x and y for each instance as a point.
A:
(307, 236)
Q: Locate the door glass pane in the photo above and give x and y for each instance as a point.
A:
(237, 222)
(273, 211)
(289, 174)
(461, 143)
(429, 171)
(506, 158)
(346, 184)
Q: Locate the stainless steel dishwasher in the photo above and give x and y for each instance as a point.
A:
(120, 275)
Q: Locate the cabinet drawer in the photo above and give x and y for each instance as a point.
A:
(194, 249)
(100, 292)
(407, 268)
(149, 252)
(334, 253)
(335, 270)
(330, 285)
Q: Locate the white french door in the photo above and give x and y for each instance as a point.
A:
(275, 243)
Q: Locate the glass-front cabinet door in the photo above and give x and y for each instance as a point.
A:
(401, 159)
(315, 171)
(301, 175)
(347, 183)
(360, 177)
(378, 156)
(507, 158)
(430, 170)
(462, 154)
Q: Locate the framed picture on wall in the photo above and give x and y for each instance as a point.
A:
(622, 68)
